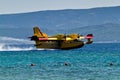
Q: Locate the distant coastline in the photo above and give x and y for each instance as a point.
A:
(102, 22)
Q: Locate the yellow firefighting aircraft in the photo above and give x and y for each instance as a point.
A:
(59, 41)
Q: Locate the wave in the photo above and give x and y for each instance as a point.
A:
(13, 48)
(11, 40)
(4, 47)
(15, 44)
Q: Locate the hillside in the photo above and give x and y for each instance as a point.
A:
(102, 22)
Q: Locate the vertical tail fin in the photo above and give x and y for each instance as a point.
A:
(37, 32)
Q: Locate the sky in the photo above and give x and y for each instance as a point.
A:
(23, 6)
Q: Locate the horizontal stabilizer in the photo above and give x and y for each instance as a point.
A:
(35, 38)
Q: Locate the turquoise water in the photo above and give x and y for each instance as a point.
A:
(92, 62)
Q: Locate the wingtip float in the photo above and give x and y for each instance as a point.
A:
(59, 41)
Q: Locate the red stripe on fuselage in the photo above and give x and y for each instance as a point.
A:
(89, 37)
(42, 39)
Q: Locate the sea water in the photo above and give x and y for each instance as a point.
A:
(97, 61)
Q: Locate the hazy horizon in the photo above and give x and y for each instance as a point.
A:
(22, 6)
(56, 9)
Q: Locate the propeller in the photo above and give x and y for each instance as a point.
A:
(65, 36)
(79, 35)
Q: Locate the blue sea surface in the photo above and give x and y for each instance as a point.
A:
(97, 61)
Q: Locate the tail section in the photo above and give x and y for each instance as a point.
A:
(38, 34)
